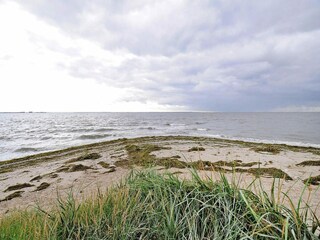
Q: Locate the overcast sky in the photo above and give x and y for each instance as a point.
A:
(169, 55)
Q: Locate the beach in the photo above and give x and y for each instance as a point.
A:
(38, 180)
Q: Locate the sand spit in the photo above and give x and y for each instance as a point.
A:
(39, 179)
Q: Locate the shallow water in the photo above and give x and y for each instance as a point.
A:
(23, 134)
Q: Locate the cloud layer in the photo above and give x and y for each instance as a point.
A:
(186, 55)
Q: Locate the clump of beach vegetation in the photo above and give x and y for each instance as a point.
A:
(104, 164)
(141, 156)
(18, 186)
(73, 168)
(235, 163)
(196, 149)
(12, 196)
(42, 186)
(36, 178)
(87, 156)
(312, 180)
(162, 206)
(309, 163)
(267, 148)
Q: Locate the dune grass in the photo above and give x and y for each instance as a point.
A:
(149, 205)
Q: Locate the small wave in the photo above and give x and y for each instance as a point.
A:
(202, 129)
(26, 149)
(104, 129)
(175, 124)
(5, 138)
(94, 136)
(45, 138)
(147, 128)
(80, 130)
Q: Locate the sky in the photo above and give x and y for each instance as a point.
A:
(141, 55)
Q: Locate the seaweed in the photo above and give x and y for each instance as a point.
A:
(104, 164)
(88, 156)
(79, 167)
(140, 155)
(312, 180)
(110, 170)
(18, 186)
(267, 148)
(123, 163)
(31, 160)
(196, 149)
(170, 163)
(36, 178)
(235, 163)
(42, 186)
(73, 168)
(271, 172)
(309, 163)
(12, 195)
(53, 175)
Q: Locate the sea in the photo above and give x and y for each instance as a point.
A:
(23, 134)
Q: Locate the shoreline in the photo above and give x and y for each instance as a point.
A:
(217, 137)
(283, 144)
(87, 168)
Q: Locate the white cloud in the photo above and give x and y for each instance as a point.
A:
(34, 58)
(162, 55)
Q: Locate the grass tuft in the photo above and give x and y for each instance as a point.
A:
(162, 206)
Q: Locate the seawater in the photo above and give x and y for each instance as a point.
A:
(23, 134)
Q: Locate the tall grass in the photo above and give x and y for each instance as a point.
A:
(162, 206)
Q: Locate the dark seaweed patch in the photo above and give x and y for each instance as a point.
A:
(18, 186)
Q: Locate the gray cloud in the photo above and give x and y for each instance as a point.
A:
(205, 55)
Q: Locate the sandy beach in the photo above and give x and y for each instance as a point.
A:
(39, 179)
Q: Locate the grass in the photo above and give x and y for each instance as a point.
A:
(153, 206)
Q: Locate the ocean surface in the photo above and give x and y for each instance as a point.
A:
(24, 134)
